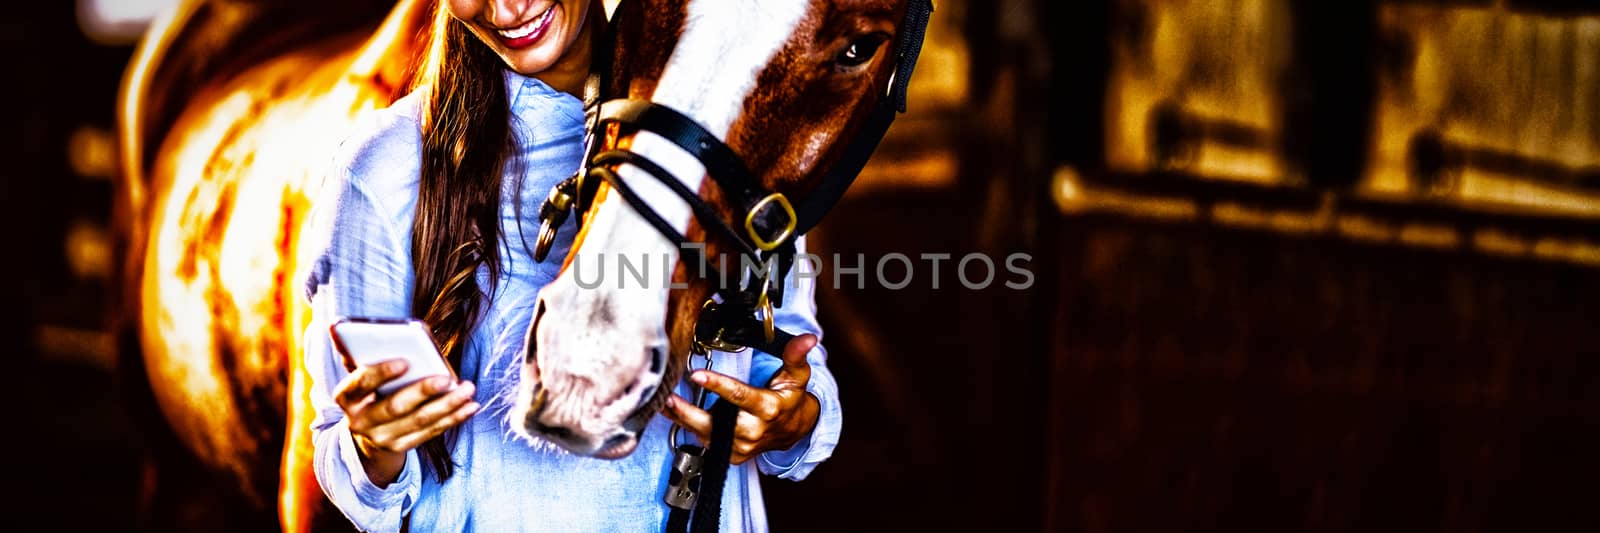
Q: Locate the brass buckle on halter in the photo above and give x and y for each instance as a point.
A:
(788, 228)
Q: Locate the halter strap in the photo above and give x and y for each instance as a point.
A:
(732, 177)
(907, 48)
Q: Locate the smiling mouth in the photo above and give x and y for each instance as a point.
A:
(529, 32)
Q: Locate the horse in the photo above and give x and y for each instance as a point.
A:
(220, 161)
(780, 96)
(228, 112)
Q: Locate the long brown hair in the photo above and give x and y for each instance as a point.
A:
(467, 141)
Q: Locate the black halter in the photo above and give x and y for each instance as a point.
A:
(764, 228)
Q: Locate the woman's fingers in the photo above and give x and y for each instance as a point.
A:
(763, 417)
(796, 369)
(429, 420)
(751, 435)
(760, 402)
(438, 408)
(407, 399)
(748, 433)
(742, 451)
(439, 426)
(769, 419)
(749, 428)
(364, 382)
(684, 413)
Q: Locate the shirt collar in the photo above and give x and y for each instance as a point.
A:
(530, 95)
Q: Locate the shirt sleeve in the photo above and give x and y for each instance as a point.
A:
(799, 316)
(357, 265)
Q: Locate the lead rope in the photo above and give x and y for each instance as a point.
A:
(695, 468)
(707, 508)
(708, 513)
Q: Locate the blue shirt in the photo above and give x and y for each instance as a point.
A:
(357, 258)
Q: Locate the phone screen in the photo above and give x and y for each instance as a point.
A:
(369, 341)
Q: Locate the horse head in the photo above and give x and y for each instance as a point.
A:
(786, 86)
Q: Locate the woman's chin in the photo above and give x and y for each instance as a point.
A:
(528, 62)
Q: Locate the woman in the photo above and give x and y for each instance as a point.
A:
(426, 214)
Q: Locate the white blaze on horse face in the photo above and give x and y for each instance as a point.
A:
(594, 346)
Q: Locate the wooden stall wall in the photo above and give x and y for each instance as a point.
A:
(1211, 378)
(1335, 269)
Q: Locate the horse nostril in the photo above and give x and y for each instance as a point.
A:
(555, 432)
(644, 397)
(657, 358)
(616, 441)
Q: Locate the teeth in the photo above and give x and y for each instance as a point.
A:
(531, 26)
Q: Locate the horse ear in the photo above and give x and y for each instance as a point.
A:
(390, 57)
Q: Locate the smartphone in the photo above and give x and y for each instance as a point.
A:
(369, 341)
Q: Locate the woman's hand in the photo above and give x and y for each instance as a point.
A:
(385, 428)
(774, 418)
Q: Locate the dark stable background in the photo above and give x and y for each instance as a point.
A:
(1158, 376)
(77, 453)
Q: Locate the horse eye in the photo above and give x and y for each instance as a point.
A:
(860, 50)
